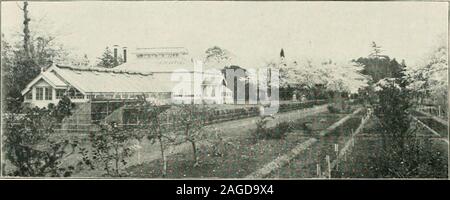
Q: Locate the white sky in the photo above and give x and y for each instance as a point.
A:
(252, 30)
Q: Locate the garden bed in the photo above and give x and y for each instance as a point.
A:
(361, 162)
(305, 164)
(242, 157)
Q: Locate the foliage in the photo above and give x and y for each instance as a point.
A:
(415, 160)
(22, 60)
(109, 149)
(107, 59)
(333, 109)
(217, 54)
(151, 125)
(404, 153)
(30, 147)
(63, 108)
(191, 120)
(379, 66)
(429, 80)
(262, 132)
(318, 79)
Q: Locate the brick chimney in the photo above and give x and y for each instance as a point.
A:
(115, 52)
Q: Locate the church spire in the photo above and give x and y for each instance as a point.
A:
(282, 61)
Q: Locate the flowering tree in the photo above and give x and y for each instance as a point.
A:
(429, 80)
(334, 77)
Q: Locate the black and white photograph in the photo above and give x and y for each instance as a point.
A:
(224, 90)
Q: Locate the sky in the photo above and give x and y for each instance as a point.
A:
(253, 31)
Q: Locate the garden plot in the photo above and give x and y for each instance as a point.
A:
(242, 156)
(306, 164)
(361, 162)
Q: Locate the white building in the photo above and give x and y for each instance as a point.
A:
(163, 75)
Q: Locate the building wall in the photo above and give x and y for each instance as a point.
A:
(34, 102)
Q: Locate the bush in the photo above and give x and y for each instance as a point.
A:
(30, 145)
(333, 109)
(263, 133)
(279, 131)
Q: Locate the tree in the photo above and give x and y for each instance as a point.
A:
(428, 80)
(404, 154)
(151, 124)
(217, 54)
(109, 149)
(379, 66)
(63, 109)
(31, 147)
(22, 61)
(107, 59)
(191, 119)
(376, 50)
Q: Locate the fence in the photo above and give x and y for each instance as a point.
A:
(130, 118)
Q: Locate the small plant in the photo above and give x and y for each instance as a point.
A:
(261, 129)
(278, 132)
(110, 147)
(191, 119)
(307, 127)
(333, 109)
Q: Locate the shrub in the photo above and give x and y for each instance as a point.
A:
(278, 132)
(333, 109)
(30, 146)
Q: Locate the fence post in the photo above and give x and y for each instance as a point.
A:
(319, 173)
(327, 158)
(336, 149)
(439, 111)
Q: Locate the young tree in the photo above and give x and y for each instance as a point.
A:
(191, 120)
(110, 147)
(152, 126)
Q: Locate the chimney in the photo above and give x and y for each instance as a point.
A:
(115, 52)
(124, 54)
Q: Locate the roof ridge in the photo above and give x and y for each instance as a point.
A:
(105, 70)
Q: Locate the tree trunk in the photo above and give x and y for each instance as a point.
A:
(163, 157)
(194, 151)
(26, 30)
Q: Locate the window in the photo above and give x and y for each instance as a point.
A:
(39, 93)
(213, 92)
(60, 93)
(48, 93)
